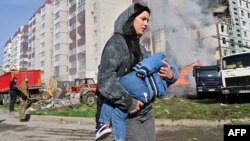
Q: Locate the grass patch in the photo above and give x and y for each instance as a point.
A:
(75, 111)
(210, 109)
(173, 108)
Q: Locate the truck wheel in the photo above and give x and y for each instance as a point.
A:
(200, 95)
(89, 98)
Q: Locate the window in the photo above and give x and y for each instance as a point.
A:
(57, 15)
(57, 35)
(242, 13)
(43, 35)
(42, 45)
(73, 26)
(43, 26)
(42, 63)
(248, 15)
(243, 23)
(224, 40)
(43, 17)
(57, 3)
(245, 33)
(42, 54)
(57, 46)
(222, 28)
(57, 25)
(57, 58)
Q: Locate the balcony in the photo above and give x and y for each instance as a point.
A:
(72, 8)
(81, 30)
(72, 34)
(72, 58)
(72, 71)
(81, 17)
(72, 45)
(72, 21)
(81, 41)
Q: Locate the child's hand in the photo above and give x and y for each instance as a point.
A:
(138, 106)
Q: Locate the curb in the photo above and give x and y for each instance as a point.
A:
(158, 122)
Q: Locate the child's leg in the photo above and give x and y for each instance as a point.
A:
(106, 111)
(118, 124)
(103, 129)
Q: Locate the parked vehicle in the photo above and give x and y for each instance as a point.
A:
(34, 77)
(85, 88)
(183, 85)
(235, 70)
(208, 80)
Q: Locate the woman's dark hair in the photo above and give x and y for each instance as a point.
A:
(130, 35)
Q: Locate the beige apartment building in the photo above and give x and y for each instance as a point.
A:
(77, 39)
(15, 50)
(46, 42)
(66, 37)
(60, 46)
(34, 40)
(100, 17)
(6, 55)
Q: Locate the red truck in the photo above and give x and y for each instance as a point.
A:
(34, 84)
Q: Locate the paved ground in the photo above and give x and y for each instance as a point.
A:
(51, 128)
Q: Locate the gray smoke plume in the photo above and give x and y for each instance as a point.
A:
(182, 21)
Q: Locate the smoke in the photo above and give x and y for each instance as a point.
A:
(182, 21)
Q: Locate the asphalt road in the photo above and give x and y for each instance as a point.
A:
(47, 129)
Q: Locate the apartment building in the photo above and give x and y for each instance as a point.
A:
(6, 55)
(233, 26)
(23, 65)
(239, 29)
(100, 17)
(46, 41)
(34, 40)
(66, 37)
(15, 50)
(60, 40)
(77, 39)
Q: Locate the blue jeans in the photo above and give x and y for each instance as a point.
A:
(117, 118)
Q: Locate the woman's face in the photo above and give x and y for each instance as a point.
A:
(141, 22)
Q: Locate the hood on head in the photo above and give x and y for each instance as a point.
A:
(121, 21)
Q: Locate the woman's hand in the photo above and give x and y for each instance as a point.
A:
(165, 71)
(138, 106)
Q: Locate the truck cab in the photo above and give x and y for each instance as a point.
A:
(208, 80)
(235, 70)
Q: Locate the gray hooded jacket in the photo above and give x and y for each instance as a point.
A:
(115, 63)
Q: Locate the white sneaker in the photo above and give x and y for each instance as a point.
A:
(103, 131)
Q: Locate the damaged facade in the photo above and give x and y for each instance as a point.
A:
(233, 20)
